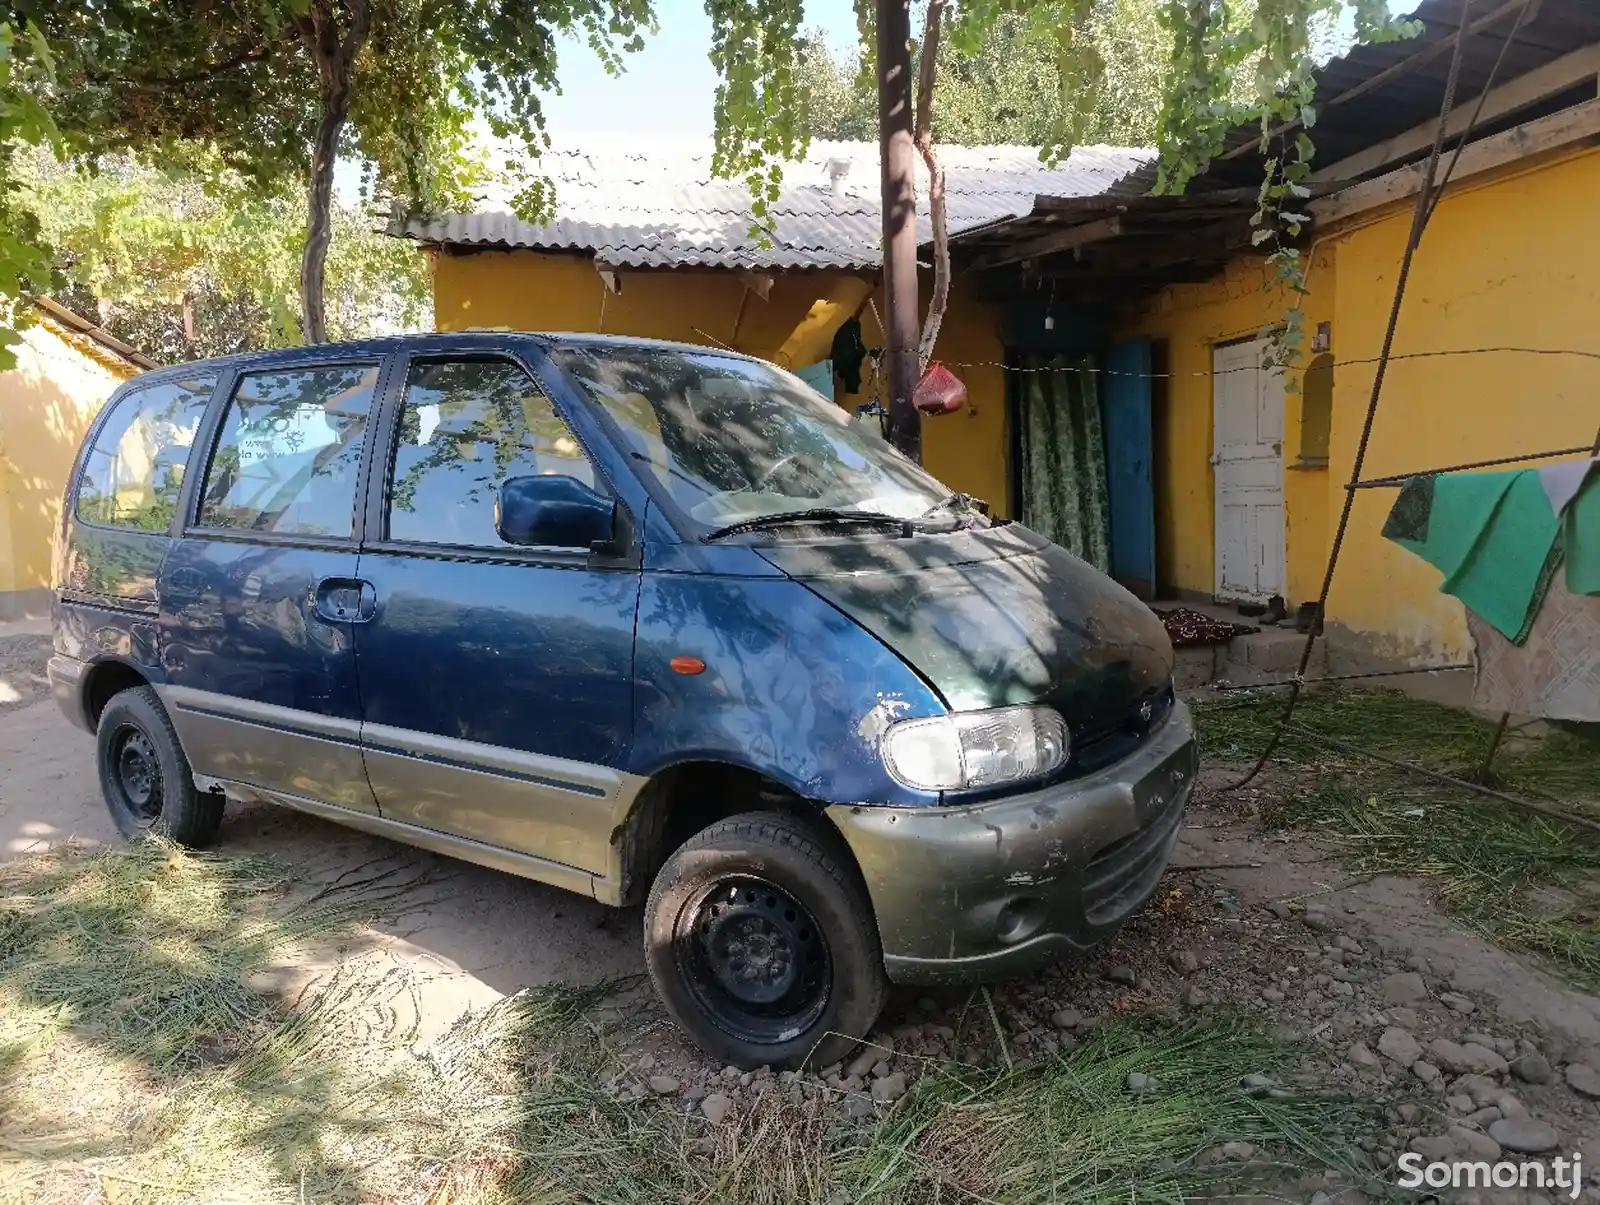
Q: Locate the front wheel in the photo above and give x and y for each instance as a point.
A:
(762, 945)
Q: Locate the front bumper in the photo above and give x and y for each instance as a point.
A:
(995, 889)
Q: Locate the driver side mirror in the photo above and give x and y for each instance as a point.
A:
(549, 511)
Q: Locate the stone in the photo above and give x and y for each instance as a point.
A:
(1426, 1071)
(1066, 1018)
(1281, 909)
(869, 1055)
(1122, 974)
(1272, 995)
(1239, 1152)
(850, 1083)
(857, 1107)
(1510, 1106)
(1481, 1039)
(890, 1088)
(1456, 1058)
(880, 1069)
(664, 1085)
(1140, 1084)
(1348, 944)
(1525, 1135)
(1482, 1088)
(1409, 1112)
(1460, 1104)
(1531, 1067)
(1405, 987)
(1316, 918)
(1584, 1080)
(1483, 1118)
(1192, 997)
(1395, 1043)
(1341, 988)
(1359, 1056)
(1185, 962)
(715, 1107)
(1256, 1081)
(1456, 1002)
(1435, 1148)
(1474, 1144)
(1406, 1018)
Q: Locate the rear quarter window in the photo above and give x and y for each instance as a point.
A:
(134, 472)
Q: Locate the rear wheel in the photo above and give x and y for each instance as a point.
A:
(145, 777)
(761, 943)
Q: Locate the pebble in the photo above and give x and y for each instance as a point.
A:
(1185, 962)
(1280, 909)
(1340, 988)
(1531, 1067)
(1140, 1084)
(869, 1055)
(1122, 974)
(1456, 1002)
(715, 1107)
(1584, 1080)
(1239, 1152)
(1192, 997)
(1435, 1148)
(889, 1088)
(1317, 919)
(857, 1107)
(1349, 944)
(1406, 1018)
(1461, 1104)
(1456, 1058)
(1399, 1045)
(1473, 1144)
(1066, 1018)
(1484, 1117)
(1256, 1081)
(1360, 1056)
(1409, 1112)
(664, 1085)
(1510, 1106)
(1272, 995)
(1405, 987)
(1525, 1135)
(880, 1069)
(1426, 1071)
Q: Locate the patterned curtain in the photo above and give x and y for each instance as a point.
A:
(1064, 457)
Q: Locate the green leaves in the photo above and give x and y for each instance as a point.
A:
(26, 68)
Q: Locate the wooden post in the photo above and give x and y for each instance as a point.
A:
(897, 154)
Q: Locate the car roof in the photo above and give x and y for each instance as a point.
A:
(485, 339)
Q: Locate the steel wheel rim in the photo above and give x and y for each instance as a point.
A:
(137, 773)
(754, 959)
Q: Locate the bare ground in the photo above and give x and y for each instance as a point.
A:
(1271, 923)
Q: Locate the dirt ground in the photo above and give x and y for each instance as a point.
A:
(1450, 1036)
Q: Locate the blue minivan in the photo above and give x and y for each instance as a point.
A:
(654, 623)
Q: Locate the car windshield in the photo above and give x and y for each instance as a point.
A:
(732, 440)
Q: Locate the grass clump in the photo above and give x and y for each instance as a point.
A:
(1528, 882)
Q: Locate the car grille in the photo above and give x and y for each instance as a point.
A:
(1120, 736)
(1125, 872)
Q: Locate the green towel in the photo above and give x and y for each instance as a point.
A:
(1583, 539)
(1492, 535)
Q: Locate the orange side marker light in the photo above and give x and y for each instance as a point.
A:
(688, 665)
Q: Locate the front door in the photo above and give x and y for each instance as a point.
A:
(1248, 419)
(496, 681)
(258, 598)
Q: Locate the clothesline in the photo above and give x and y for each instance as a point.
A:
(1401, 479)
(1415, 355)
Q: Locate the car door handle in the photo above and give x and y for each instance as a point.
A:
(344, 600)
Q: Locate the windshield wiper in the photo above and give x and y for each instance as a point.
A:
(813, 514)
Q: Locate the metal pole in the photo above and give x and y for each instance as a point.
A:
(897, 153)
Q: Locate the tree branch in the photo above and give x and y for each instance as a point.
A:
(926, 70)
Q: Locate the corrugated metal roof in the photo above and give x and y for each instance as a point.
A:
(663, 208)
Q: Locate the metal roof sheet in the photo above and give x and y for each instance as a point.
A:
(663, 208)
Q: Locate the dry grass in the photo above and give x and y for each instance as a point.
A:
(137, 1064)
(1530, 883)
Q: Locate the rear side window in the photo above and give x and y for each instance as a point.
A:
(466, 426)
(134, 472)
(288, 456)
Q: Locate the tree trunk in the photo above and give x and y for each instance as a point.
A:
(941, 227)
(897, 154)
(335, 56)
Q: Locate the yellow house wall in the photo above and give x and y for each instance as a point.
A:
(1508, 262)
(526, 290)
(46, 403)
(1192, 320)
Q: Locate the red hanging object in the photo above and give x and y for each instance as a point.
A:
(939, 391)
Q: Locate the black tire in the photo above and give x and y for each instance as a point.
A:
(145, 777)
(771, 880)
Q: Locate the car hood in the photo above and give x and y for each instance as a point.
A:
(996, 617)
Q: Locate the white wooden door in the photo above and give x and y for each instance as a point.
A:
(1247, 457)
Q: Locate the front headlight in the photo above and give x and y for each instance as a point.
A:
(967, 750)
